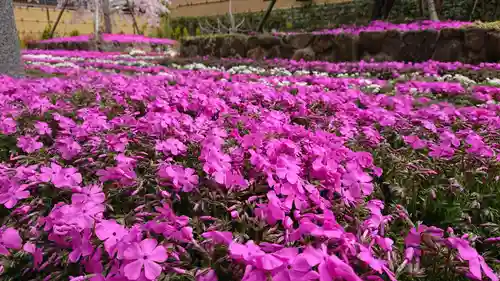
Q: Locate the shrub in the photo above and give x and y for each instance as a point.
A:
(74, 33)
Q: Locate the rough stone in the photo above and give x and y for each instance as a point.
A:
(345, 48)
(306, 54)
(393, 44)
(493, 46)
(189, 51)
(322, 43)
(234, 46)
(475, 39)
(418, 45)
(466, 45)
(301, 40)
(449, 50)
(286, 51)
(449, 46)
(371, 42)
(266, 41)
(257, 53)
(273, 52)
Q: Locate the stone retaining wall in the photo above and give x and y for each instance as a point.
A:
(469, 45)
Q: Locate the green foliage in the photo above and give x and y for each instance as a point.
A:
(185, 32)
(198, 31)
(177, 33)
(488, 25)
(164, 30)
(46, 32)
(74, 33)
(314, 17)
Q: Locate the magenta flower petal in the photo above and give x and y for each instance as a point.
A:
(158, 255)
(151, 270)
(133, 252)
(133, 270)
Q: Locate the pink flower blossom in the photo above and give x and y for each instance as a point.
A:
(9, 239)
(11, 194)
(110, 232)
(171, 145)
(144, 258)
(61, 177)
(29, 144)
(43, 128)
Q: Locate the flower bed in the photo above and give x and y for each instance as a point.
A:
(212, 175)
(377, 26)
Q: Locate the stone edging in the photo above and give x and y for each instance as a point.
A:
(468, 45)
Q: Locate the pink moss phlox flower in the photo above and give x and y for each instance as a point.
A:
(89, 194)
(144, 257)
(287, 168)
(366, 255)
(184, 179)
(273, 211)
(9, 239)
(415, 142)
(43, 128)
(65, 123)
(61, 177)
(449, 138)
(356, 184)
(11, 192)
(477, 265)
(124, 174)
(117, 143)
(209, 275)
(414, 239)
(443, 151)
(27, 173)
(36, 252)
(81, 245)
(94, 263)
(216, 164)
(477, 146)
(220, 237)
(376, 221)
(252, 253)
(8, 126)
(68, 147)
(29, 144)
(78, 216)
(171, 146)
(111, 233)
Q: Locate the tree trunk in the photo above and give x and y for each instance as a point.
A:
(432, 10)
(387, 8)
(377, 9)
(420, 5)
(61, 12)
(266, 16)
(10, 54)
(134, 20)
(107, 17)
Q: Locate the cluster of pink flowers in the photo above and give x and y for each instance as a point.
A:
(229, 177)
(383, 25)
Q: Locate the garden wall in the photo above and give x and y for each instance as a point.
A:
(470, 45)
